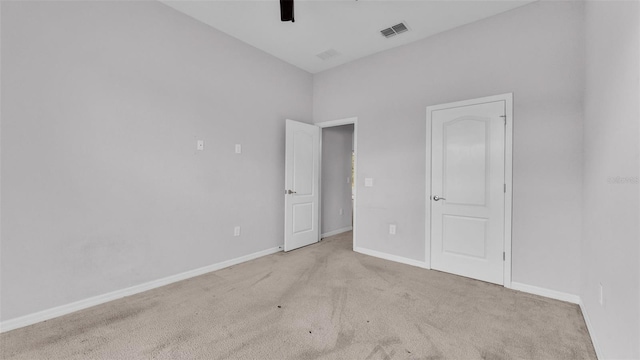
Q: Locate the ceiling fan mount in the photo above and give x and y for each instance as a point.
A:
(286, 10)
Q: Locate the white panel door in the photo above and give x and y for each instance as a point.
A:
(302, 177)
(467, 191)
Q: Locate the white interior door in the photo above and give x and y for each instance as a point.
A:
(302, 177)
(468, 190)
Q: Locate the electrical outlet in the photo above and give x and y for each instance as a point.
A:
(392, 229)
(236, 231)
(601, 299)
(368, 182)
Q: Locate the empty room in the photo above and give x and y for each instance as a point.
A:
(306, 179)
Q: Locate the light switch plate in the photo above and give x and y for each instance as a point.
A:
(238, 149)
(368, 182)
(200, 145)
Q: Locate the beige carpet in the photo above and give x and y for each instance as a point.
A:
(322, 301)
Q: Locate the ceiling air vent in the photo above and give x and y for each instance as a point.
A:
(394, 30)
(328, 54)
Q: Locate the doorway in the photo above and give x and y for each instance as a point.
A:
(469, 188)
(336, 180)
(350, 191)
(303, 174)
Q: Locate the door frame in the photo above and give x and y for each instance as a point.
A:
(508, 176)
(333, 123)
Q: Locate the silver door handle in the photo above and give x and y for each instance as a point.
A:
(437, 198)
(290, 192)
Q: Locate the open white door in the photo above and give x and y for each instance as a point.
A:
(468, 190)
(301, 183)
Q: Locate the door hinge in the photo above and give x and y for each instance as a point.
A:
(504, 256)
(505, 188)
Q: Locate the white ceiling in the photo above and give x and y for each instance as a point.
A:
(352, 28)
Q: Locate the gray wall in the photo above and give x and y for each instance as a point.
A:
(102, 187)
(611, 248)
(536, 52)
(336, 168)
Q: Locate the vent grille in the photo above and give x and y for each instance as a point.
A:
(388, 32)
(399, 28)
(394, 30)
(328, 54)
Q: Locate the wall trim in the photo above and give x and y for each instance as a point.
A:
(48, 314)
(558, 295)
(553, 294)
(339, 122)
(336, 232)
(590, 329)
(394, 258)
(57, 311)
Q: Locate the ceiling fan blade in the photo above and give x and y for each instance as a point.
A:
(286, 10)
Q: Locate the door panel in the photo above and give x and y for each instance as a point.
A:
(465, 161)
(302, 166)
(464, 236)
(467, 222)
(303, 171)
(302, 217)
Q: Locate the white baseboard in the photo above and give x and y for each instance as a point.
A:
(558, 295)
(553, 294)
(101, 299)
(592, 334)
(336, 232)
(399, 259)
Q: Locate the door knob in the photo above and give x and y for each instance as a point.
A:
(437, 198)
(290, 192)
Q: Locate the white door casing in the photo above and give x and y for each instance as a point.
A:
(467, 200)
(302, 173)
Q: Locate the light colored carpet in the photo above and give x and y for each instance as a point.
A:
(321, 301)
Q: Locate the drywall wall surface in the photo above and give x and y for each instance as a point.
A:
(337, 146)
(102, 185)
(611, 234)
(536, 52)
